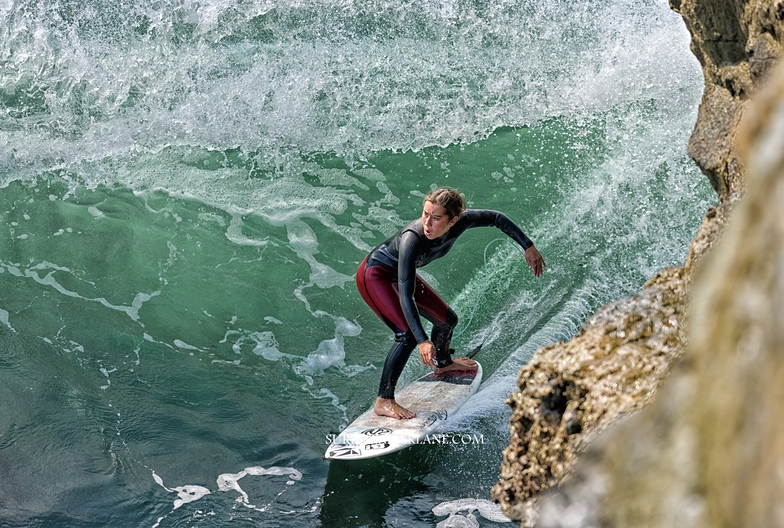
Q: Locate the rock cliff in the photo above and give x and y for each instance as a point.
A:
(708, 450)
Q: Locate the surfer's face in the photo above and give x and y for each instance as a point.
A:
(436, 221)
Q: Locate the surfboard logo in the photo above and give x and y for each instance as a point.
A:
(344, 451)
(441, 414)
(377, 445)
(377, 431)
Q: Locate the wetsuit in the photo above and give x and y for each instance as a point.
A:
(388, 283)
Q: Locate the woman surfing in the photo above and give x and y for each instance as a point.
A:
(388, 283)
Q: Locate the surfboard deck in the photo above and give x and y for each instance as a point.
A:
(433, 397)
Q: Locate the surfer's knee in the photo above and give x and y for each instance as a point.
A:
(406, 339)
(451, 319)
(446, 326)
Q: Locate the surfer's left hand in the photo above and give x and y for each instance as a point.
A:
(534, 260)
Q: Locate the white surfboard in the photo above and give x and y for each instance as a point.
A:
(434, 398)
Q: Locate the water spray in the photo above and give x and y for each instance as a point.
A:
(484, 287)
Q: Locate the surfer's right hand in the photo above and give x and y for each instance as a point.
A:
(427, 353)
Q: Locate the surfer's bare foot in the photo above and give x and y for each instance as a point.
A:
(457, 364)
(388, 407)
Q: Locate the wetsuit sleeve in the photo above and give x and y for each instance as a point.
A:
(406, 282)
(486, 217)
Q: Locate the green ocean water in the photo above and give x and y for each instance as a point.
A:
(187, 188)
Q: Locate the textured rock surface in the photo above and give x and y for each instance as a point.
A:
(647, 471)
(736, 42)
(709, 451)
(570, 391)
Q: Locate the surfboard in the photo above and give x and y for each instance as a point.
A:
(434, 398)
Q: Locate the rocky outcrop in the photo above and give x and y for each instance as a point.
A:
(570, 392)
(736, 43)
(709, 450)
(655, 468)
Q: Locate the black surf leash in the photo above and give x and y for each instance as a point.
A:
(477, 349)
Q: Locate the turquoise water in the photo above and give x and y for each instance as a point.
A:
(186, 189)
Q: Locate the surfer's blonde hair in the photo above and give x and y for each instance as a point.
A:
(450, 199)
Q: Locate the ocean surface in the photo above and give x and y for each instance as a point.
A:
(188, 186)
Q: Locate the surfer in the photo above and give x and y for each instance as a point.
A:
(388, 283)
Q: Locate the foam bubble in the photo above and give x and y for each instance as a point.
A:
(50, 280)
(230, 481)
(4, 319)
(267, 346)
(234, 233)
(487, 509)
(106, 372)
(185, 494)
(183, 345)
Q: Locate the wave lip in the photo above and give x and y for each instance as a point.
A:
(93, 81)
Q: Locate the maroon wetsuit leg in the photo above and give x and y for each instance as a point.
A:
(378, 287)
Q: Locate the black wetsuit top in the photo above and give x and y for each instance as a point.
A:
(410, 249)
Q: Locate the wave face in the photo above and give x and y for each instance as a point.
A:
(188, 187)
